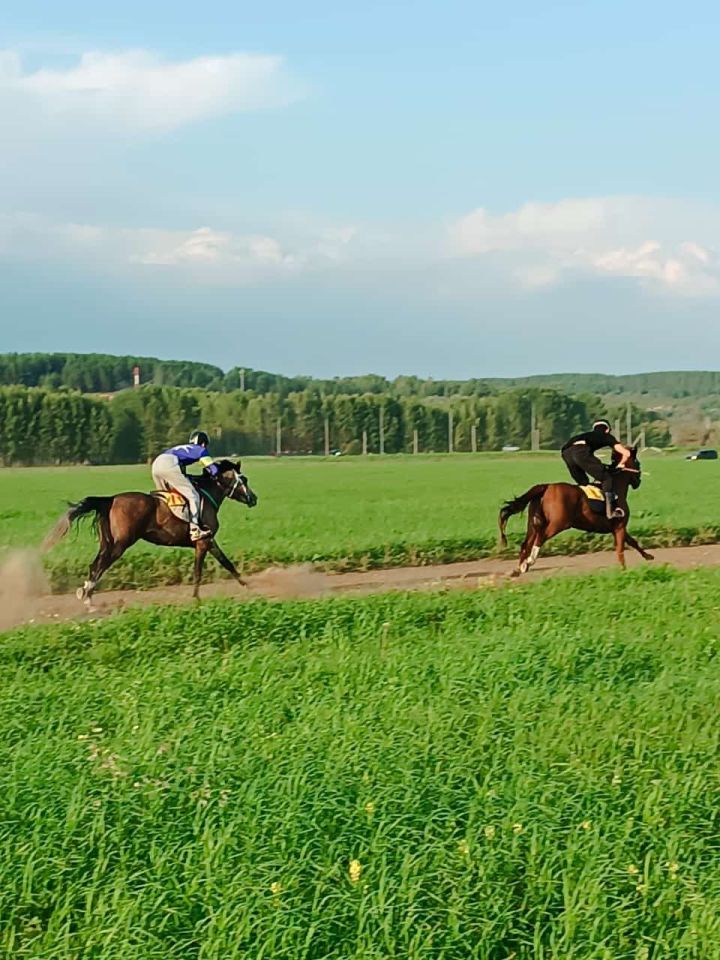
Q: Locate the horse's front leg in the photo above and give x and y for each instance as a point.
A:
(226, 563)
(632, 542)
(201, 550)
(620, 534)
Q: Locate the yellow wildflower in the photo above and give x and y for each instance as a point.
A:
(370, 808)
(276, 887)
(518, 828)
(641, 888)
(632, 870)
(489, 832)
(354, 871)
(464, 848)
(586, 824)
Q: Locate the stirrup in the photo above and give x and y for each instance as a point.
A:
(199, 533)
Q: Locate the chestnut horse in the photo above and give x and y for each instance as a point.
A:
(554, 507)
(125, 518)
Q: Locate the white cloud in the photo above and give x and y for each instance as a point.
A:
(200, 254)
(533, 225)
(540, 244)
(538, 247)
(135, 90)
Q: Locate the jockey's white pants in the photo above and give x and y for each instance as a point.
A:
(167, 475)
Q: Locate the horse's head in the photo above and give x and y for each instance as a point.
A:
(235, 483)
(632, 468)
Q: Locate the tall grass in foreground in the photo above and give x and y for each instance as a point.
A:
(528, 773)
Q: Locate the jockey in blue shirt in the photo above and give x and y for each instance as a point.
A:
(168, 473)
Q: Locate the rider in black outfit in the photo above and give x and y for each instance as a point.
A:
(579, 456)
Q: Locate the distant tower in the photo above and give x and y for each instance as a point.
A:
(136, 376)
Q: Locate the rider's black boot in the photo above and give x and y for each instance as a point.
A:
(612, 512)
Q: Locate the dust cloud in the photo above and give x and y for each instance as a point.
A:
(300, 580)
(22, 583)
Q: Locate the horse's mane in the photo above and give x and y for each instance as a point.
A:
(226, 465)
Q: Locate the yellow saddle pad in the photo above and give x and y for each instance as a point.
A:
(171, 497)
(592, 492)
(176, 503)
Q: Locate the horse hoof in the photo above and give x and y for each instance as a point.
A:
(515, 573)
(80, 593)
(649, 556)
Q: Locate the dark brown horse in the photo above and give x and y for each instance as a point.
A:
(554, 507)
(125, 518)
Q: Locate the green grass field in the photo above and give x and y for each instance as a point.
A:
(353, 513)
(529, 772)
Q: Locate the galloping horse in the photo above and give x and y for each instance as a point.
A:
(554, 507)
(125, 518)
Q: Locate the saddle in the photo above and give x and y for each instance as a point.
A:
(594, 493)
(177, 504)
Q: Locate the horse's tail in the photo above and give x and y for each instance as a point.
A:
(100, 506)
(517, 505)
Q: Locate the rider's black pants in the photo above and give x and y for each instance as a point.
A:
(581, 462)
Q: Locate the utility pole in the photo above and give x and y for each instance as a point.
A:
(382, 429)
(628, 424)
(242, 379)
(415, 441)
(473, 438)
(450, 431)
(327, 436)
(534, 432)
(364, 443)
(278, 437)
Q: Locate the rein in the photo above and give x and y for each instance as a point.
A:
(229, 495)
(212, 500)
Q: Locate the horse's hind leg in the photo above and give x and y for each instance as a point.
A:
(540, 527)
(533, 540)
(108, 553)
(525, 549)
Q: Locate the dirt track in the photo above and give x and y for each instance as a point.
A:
(290, 582)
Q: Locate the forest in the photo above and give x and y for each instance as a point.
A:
(105, 373)
(46, 426)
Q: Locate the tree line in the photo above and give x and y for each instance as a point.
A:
(50, 426)
(46, 426)
(106, 373)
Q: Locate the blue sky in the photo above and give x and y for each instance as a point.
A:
(452, 189)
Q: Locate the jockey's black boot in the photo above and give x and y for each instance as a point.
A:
(612, 512)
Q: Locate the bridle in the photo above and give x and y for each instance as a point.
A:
(238, 483)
